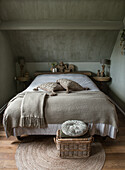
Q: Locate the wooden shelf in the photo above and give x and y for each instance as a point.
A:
(23, 79)
(61, 24)
(102, 78)
(88, 73)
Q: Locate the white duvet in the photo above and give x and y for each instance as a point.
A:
(83, 80)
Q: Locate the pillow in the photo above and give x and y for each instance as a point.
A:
(74, 128)
(50, 87)
(71, 85)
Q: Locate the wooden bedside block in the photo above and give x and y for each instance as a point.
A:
(23, 83)
(102, 78)
(102, 83)
(23, 79)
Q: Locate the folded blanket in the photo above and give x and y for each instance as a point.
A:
(26, 109)
(32, 110)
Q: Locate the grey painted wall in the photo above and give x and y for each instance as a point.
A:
(31, 67)
(7, 70)
(118, 74)
(60, 45)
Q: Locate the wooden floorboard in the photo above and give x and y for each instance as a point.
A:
(115, 149)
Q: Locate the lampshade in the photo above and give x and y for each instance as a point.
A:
(105, 61)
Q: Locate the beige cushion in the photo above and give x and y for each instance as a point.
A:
(50, 87)
(70, 85)
(74, 128)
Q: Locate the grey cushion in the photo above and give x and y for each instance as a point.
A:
(74, 128)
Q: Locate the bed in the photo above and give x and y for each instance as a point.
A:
(99, 127)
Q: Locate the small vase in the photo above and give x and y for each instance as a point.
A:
(54, 70)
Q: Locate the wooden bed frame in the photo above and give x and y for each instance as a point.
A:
(88, 73)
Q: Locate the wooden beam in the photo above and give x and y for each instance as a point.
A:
(61, 24)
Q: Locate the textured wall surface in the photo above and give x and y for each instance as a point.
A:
(76, 46)
(7, 71)
(118, 74)
(48, 46)
(62, 9)
(32, 67)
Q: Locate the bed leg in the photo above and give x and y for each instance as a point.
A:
(104, 138)
(19, 138)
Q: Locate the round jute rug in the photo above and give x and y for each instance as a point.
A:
(42, 155)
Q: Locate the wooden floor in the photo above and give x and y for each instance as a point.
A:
(115, 149)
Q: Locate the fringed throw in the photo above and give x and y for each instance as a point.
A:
(32, 110)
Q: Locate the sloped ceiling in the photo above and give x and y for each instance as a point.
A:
(62, 9)
(63, 45)
(66, 45)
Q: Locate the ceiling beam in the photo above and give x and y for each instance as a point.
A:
(61, 24)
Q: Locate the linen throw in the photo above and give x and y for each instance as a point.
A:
(32, 110)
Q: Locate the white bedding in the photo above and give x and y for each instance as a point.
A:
(83, 80)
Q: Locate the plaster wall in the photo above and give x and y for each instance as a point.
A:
(7, 70)
(32, 67)
(60, 45)
(117, 85)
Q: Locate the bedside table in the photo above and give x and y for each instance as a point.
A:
(101, 82)
(23, 82)
(102, 79)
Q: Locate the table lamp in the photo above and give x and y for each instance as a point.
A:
(104, 62)
(21, 62)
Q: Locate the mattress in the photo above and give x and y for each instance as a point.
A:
(83, 80)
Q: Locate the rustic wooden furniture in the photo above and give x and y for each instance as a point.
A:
(88, 73)
(102, 79)
(101, 82)
(23, 82)
(73, 147)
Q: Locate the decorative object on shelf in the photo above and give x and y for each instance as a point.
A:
(21, 62)
(67, 68)
(61, 67)
(98, 73)
(105, 62)
(54, 67)
(122, 43)
(27, 75)
(71, 67)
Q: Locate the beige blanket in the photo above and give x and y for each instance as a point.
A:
(88, 106)
(32, 110)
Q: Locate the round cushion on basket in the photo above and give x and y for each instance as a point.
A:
(74, 128)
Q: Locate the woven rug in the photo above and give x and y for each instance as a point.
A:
(41, 154)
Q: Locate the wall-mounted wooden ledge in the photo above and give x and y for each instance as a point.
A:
(59, 24)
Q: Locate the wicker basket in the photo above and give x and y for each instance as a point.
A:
(73, 147)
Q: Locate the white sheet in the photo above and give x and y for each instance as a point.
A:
(83, 80)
